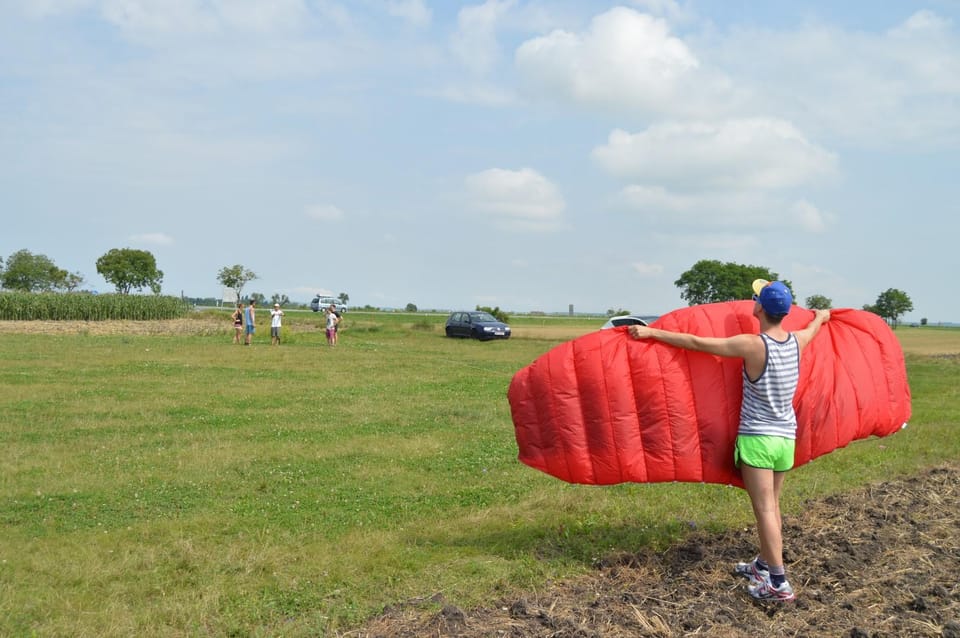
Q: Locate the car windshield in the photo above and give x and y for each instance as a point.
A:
(482, 316)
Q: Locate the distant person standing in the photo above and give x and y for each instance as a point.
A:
(237, 323)
(275, 316)
(332, 321)
(250, 318)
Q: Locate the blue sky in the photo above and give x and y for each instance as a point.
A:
(522, 154)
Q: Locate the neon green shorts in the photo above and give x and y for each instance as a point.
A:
(765, 452)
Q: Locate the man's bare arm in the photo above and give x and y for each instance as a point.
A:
(736, 346)
(806, 335)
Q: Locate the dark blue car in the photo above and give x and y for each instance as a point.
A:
(477, 325)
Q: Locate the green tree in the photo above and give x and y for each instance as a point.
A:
(711, 281)
(72, 281)
(258, 297)
(411, 307)
(616, 313)
(33, 273)
(893, 303)
(819, 302)
(498, 314)
(128, 268)
(923, 321)
(235, 277)
(283, 300)
(344, 298)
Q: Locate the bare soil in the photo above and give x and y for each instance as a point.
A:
(880, 561)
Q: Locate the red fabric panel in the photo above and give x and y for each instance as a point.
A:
(606, 408)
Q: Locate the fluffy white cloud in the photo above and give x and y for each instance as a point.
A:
(747, 209)
(732, 173)
(415, 12)
(647, 270)
(157, 239)
(758, 153)
(179, 17)
(870, 88)
(475, 41)
(324, 213)
(626, 60)
(159, 16)
(669, 9)
(485, 95)
(44, 8)
(806, 216)
(521, 200)
(724, 245)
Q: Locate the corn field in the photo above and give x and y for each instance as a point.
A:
(51, 306)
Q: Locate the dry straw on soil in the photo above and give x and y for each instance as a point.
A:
(882, 561)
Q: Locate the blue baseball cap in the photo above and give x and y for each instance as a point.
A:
(773, 296)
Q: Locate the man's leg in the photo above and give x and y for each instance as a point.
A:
(764, 488)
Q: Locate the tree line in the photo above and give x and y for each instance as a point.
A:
(237, 276)
(711, 281)
(707, 281)
(127, 269)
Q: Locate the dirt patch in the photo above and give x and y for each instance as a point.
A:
(189, 326)
(882, 561)
(193, 326)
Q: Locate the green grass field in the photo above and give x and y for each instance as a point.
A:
(180, 485)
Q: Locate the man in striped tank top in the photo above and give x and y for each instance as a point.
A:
(768, 425)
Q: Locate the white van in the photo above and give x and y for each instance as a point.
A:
(319, 303)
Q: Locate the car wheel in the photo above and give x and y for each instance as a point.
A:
(449, 332)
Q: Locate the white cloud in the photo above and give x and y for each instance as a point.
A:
(647, 270)
(732, 173)
(761, 153)
(312, 290)
(324, 213)
(626, 60)
(668, 9)
(521, 200)
(252, 16)
(878, 89)
(159, 16)
(158, 239)
(415, 12)
(44, 8)
(475, 41)
(492, 96)
(814, 279)
(200, 17)
(750, 209)
(720, 245)
(807, 216)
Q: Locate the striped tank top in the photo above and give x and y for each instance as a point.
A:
(767, 407)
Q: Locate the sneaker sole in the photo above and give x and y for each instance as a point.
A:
(774, 599)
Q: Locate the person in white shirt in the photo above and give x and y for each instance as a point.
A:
(332, 320)
(275, 316)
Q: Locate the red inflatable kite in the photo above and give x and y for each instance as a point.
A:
(606, 408)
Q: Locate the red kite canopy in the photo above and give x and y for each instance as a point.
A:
(606, 408)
